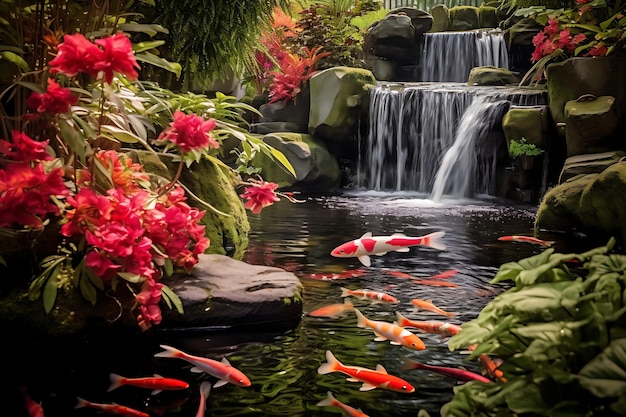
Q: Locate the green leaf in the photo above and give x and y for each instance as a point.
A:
(605, 375)
(120, 134)
(15, 59)
(146, 46)
(169, 267)
(152, 59)
(130, 277)
(149, 29)
(75, 141)
(170, 295)
(50, 290)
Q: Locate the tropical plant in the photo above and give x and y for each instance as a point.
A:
(523, 148)
(560, 332)
(582, 28)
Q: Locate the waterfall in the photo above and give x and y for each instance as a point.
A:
(412, 128)
(449, 56)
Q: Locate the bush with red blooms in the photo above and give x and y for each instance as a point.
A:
(132, 228)
(592, 28)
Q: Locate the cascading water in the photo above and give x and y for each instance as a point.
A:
(414, 127)
(449, 56)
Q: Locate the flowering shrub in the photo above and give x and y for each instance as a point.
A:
(124, 225)
(588, 28)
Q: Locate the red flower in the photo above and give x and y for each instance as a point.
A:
(117, 56)
(24, 149)
(55, 100)
(90, 209)
(76, 54)
(261, 194)
(598, 50)
(190, 132)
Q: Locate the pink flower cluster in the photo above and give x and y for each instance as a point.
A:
(259, 194)
(55, 100)
(27, 185)
(130, 230)
(101, 59)
(551, 39)
(189, 132)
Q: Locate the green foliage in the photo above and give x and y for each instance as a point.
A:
(561, 333)
(521, 148)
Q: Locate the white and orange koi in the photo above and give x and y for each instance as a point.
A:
(333, 310)
(371, 379)
(350, 273)
(434, 327)
(428, 305)
(458, 374)
(372, 295)
(397, 335)
(157, 383)
(221, 370)
(205, 390)
(368, 245)
(527, 239)
(331, 401)
(120, 410)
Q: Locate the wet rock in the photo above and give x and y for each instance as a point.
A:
(588, 164)
(222, 292)
(490, 75)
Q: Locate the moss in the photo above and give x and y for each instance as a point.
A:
(463, 18)
(487, 17)
(525, 123)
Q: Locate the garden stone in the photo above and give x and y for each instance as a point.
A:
(222, 292)
(392, 38)
(588, 164)
(490, 75)
(487, 17)
(339, 97)
(463, 18)
(592, 125)
(530, 123)
(441, 18)
(422, 21)
(295, 112)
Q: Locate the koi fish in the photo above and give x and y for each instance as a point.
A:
(111, 408)
(491, 367)
(331, 401)
(397, 335)
(368, 245)
(33, 408)
(221, 370)
(156, 383)
(458, 374)
(377, 296)
(371, 379)
(428, 305)
(527, 239)
(434, 327)
(205, 390)
(435, 283)
(400, 274)
(333, 310)
(445, 274)
(350, 273)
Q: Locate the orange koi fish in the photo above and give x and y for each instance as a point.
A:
(368, 245)
(33, 408)
(205, 390)
(373, 295)
(331, 401)
(458, 374)
(371, 379)
(350, 273)
(445, 274)
(221, 370)
(333, 310)
(400, 274)
(435, 283)
(527, 239)
(120, 410)
(156, 383)
(434, 327)
(397, 335)
(428, 305)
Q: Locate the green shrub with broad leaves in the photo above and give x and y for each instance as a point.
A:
(561, 333)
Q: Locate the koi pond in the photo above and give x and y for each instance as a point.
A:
(282, 364)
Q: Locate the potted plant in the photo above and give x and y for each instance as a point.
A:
(524, 152)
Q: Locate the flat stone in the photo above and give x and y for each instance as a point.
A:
(222, 292)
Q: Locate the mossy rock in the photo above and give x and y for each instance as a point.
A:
(441, 18)
(488, 17)
(490, 75)
(529, 123)
(464, 18)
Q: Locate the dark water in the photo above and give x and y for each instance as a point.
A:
(282, 365)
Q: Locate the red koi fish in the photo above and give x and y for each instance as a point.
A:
(120, 410)
(435, 283)
(205, 390)
(221, 370)
(373, 295)
(33, 408)
(428, 305)
(434, 327)
(527, 239)
(156, 383)
(400, 274)
(331, 401)
(397, 335)
(458, 374)
(368, 245)
(333, 310)
(371, 379)
(445, 274)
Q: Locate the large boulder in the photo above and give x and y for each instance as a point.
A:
(464, 18)
(339, 96)
(316, 169)
(528, 122)
(592, 204)
(393, 38)
(441, 18)
(490, 75)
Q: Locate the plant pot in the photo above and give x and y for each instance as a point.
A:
(527, 162)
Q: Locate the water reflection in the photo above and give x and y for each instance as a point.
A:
(283, 365)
